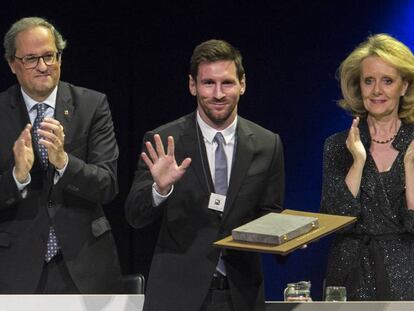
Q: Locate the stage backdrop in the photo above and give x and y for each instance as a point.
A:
(138, 53)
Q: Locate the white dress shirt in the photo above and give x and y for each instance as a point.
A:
(50, 102)
(208, 134)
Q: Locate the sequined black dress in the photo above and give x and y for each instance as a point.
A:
(374, 257)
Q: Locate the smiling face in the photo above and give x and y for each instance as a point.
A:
(381, 87)
(218, 91)
(40, 81)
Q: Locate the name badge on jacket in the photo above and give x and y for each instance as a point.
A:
(217, 202)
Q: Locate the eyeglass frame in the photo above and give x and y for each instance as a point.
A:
(56, 55)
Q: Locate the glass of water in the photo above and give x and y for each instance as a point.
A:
(335, 293)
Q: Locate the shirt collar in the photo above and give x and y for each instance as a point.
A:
(209, 132)
(30, 102)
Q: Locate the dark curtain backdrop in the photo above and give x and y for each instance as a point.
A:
(137, 52)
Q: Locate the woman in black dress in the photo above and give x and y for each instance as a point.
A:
(369, 173)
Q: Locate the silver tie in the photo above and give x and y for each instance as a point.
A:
(220, 175)
(220, 181)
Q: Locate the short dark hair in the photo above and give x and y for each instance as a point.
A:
(215, 50)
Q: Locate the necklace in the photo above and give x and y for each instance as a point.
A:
(384, 141)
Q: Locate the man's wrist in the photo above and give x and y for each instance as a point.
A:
(22, 182)
(21, 177)
(162, 192)
(157, 197)
(64, 163)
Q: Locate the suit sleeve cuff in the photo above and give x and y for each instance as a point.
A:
(22, 186)
(159, 198)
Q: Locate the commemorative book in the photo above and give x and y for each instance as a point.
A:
(274, 228)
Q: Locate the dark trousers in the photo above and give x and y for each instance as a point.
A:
(217, 300)
(218, 297)
(55, 278)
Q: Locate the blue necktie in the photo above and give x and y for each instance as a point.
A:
(51, 245)
(52, 241)
(41, 109)
(220, 181)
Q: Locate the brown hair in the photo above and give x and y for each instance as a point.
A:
(215, 50)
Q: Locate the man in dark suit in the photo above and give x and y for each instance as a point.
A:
(198, 203)
(58, 161)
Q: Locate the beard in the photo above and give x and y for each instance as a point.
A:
(216, 117)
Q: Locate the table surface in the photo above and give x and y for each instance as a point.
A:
(135, 303)
(71, 302)
(339, 306)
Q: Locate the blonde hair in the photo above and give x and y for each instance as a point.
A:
(393, 52)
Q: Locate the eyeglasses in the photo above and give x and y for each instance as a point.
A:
(30, 61)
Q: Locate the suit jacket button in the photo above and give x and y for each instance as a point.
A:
(10, 201)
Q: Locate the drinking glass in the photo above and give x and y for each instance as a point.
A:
(335, 293)
(298, 292)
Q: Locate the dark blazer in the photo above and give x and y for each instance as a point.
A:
(376, 253)
(75, 201)
(184, 259)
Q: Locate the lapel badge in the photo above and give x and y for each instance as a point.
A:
(66, 112)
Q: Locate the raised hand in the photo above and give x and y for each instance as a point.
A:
(53, 138)
(354, 144)
(409, 175)
(23, 154)
(359, 154)
(163, 167)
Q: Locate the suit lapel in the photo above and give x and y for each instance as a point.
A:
(19, 116)
(63, 113)
(243, 158)
(64, 108)
(193, 144)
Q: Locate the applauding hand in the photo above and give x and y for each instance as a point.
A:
(23, 154)
(53, 138)
(354, 144)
